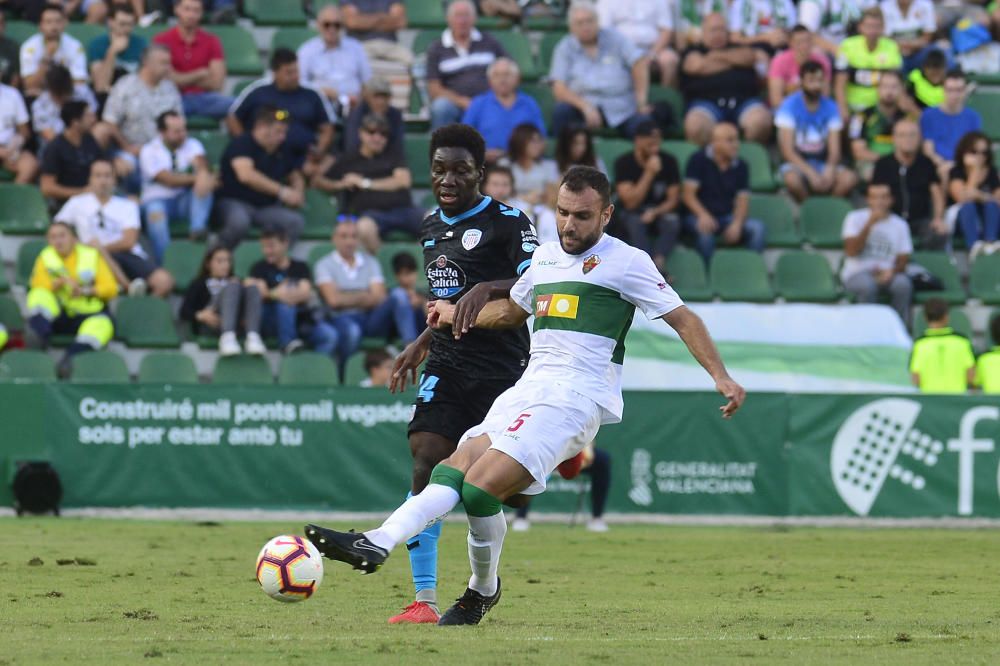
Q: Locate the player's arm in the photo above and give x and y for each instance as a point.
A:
(469, 306)
(501, 313)
(694, 334)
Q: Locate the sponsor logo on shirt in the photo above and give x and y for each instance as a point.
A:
(445, 277)
(557, 305)
(590, 263)
(471, 238)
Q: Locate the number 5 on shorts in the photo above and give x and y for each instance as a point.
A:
(518, 422)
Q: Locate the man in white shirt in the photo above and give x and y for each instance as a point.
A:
(14, 133)
(648, 25)
(111, 224)
(911, 24)
(176, 182)
(877, 247)
(51, 45)
(334, 64)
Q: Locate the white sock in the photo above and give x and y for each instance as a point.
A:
(409, 520)
(485, 543)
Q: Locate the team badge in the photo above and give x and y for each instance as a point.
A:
(471, 238)
(590, 263)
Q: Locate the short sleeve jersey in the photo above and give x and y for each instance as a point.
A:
(886, 240)
(812, 128)
(583, 306)
(490, 241)
(106, 223)
(628, 170)
(942, 358)
(273, 276)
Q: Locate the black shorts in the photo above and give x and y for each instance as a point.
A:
(448, 404)
(134, 266)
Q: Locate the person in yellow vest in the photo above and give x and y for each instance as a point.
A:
(71, 285)
(4, 336)
(988, 365)
(926, 83)
(942, 360)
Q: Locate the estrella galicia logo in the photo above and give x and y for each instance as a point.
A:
(445, 277)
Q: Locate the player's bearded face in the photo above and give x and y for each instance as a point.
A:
(455, 180)
(580, 219)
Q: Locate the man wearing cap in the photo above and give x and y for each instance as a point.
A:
(375, 100)
(375, 186)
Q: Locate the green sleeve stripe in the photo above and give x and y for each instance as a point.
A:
(443, 475)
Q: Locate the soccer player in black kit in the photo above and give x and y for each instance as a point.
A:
(474, 249)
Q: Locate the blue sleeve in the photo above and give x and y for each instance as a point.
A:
(471, 115)
(561, 65)
(977, 120)
(97, 48)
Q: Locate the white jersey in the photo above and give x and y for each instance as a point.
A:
(583, 307)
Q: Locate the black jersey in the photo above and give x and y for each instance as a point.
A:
(491, 241)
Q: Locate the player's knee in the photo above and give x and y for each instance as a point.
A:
(479, 502)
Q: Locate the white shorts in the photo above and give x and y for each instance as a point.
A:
(539, 425)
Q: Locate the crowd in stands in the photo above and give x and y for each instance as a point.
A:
(860, 100)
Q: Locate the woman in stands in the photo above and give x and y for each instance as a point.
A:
(575, 146)
(974, 186)
(535, 176)
(215, 300)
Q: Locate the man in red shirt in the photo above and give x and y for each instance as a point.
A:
(198, 64)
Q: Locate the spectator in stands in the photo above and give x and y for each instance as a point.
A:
(917, 194)
(783, 72)
(877, 246)
(943, 126)
(375, 186)
(504, 9)
(375, 101)
(71, 286)
(10, 57)
(536, 177)
(285, 284)
(66, 163)
(870, 130)
(649, 26)
(116, 53)
(405, 269)
(762, 24)
(456, 64)
(717, 195)
(261, 181)
(974, 186)
(599, 78)
(911, 24)
(137, 100)
(830, 20)
(719, 82)
(496, 112)
(498, 183)
(596, 464)
(988, 365)
(862, 60)
(942, 361)
(311, 116)
(809, 138)
(216, 301)
(198, 63)
(648, 184)
(689, 17)
(15, 132)
(378, 367)
(334, 64)
(177, 182)
(46, 108)
(50, 46)
(925, 84)
(574, 146)
(375, 23)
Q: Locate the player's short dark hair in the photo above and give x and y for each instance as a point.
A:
(403, 261)
(935, 309)
(50, 7)
(161, 120)
(268, 115)
(810, 67)
(956, 74)
(274, 232)
(458, 135)
(72, 111)
(282, 56)
(935, 60)
(579, 178)
(995, 329)
(375, 358)
(59, 81)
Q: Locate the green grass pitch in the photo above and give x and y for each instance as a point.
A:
(131, 592)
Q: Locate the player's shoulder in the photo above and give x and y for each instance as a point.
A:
(502, 213)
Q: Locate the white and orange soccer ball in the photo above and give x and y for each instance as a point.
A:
(289, 568)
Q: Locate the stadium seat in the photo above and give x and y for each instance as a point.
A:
(776, 213)
(984, 278)
(940, 265)
(320, 212)
(167, 368)
(203, 123)
(20, 31)
(389, 250)
(610, 150)
(761, 174)
(291, 37)
(545, 23)
(541, 93)
(423, 39)
(146, 321)
(240, 49)
(672, 97)
(957, 319)
(99, 367)
(682, 152)
(10, 314)
(308, 369)
(275, 12)
(22, 209)
(417, 148)
(215, 143)
(987, 103)
(805, 276)
(26, 365)
(183, 260)
(85, 32)
(354, 371)
(26, 255)
(547, 47)
(245, 256)
(519, 49)
(4, 284)
(317, 252)
(740, 275)
(822, 219)
(687, 276)
(425, 14)
(242, 369)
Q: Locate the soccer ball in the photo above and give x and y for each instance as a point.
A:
(289, 568)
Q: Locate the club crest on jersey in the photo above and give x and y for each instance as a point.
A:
(590, 263)
(471, 238)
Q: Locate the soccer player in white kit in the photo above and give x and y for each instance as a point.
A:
(583, 292)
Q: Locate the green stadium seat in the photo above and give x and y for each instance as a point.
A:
(682, 152)
(547, 46)
(150, 31)
(984, 278)
(22, 209)
(146, 321)
(776, 213)
(940, 265)
(203, 123)
(242, 369)
(519, 49)
(672, 97)
(740, 275)
(215, 143)
(26, 365)
(243, 85)
(610, 150)
(761, 174)
(308, 369)
(26, 255)
(389, 250)
(541, 93)
(85, 32)
(491, 23)
(354, 370)
(423, 39)
(291, 37)
(183, 260)
(822, 220)
(957, 319)
(167, 368)
(545, 23)
(318, 251)
(417, 148)
(987, 103)
(320, 212)
(20, 31)
(99, 367)
(687, 275)
(4, 284)
(245, 256)
(10, 314)
(805, 276)
(425, 14)
(240, 49)
(275, 12)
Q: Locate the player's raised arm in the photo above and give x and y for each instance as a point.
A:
(469, 306)
(694, 334)
(504, 313)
